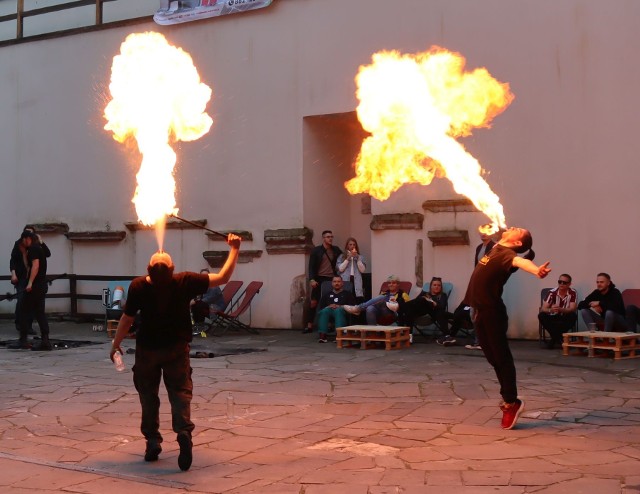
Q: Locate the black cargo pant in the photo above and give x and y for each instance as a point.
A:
(174, 366)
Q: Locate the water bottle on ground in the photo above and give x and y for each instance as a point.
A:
(230, 408)
(118, 362)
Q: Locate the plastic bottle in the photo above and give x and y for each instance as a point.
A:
(230, 407)
(118, 362)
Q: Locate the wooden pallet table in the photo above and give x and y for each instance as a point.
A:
(370, 337)
(623, 345)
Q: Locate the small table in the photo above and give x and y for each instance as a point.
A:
(369, 337)
(623, 345)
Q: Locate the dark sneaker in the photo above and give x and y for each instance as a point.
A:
(510, 413)
(322, 338)
(17, 345)
(44, 346)
(153, 451)
(307, 330)
(186, 456)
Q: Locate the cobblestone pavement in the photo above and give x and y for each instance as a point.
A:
(311, 418)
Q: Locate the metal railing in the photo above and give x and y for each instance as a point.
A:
(74, 294)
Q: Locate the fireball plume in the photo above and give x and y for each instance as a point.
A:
(415, 106)
(157, 97)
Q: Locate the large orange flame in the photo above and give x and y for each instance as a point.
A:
(415, 106)
(157, 96)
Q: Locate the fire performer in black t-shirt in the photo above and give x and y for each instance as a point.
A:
(491, 322)
(163, 344)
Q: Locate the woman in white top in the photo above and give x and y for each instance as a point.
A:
(351, 264)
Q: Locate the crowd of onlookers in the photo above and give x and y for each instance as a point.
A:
(343, 270)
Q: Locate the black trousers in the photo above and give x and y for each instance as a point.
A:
(491, 329)
(558, 324)
(409, 311)
(174, 366)
(32, 307)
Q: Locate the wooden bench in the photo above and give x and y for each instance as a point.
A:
(371, 337)
(623, 345)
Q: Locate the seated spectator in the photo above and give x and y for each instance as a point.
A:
(434, 303)
(351, 264)
(558, 312)
(211, 301)
(604, 305)
(461, 318)
(332, 308)
(384, 306)
(633, 317)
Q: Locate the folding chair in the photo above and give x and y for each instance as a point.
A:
(542, 335)
(228, 292)
(231, 319)
(425, 325)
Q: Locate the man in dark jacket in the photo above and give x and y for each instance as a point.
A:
(604, 305)
(322, 267)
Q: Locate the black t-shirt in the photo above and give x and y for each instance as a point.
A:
(489, 277)
(36, 252)
(342, 298)
(165, 316)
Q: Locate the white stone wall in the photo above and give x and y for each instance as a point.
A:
(562, 157)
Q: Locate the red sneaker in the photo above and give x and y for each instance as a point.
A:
(510, 413)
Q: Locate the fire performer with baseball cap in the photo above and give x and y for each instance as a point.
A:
(163, 344)
(484, 295)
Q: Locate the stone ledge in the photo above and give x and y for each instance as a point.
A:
(243, 234)
(448, 237)
(462, 205)
(217, 258)
(110, 236)
(289, 241)
(397, 221)
(50, 227)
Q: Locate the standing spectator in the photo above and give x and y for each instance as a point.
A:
(604, 305)
(351, 264)
(163, 342)
(331, 308)
(18, 267)
(484, 296)
(33, 301)
(558, 312)
(483, 248)
(322, 267)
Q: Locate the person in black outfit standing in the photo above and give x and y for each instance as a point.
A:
(19, 278)
(32, 305)
(484, 295)
(322, 267)
(163, 343)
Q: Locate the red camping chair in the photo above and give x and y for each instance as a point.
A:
(228, 320)
(228, 292)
